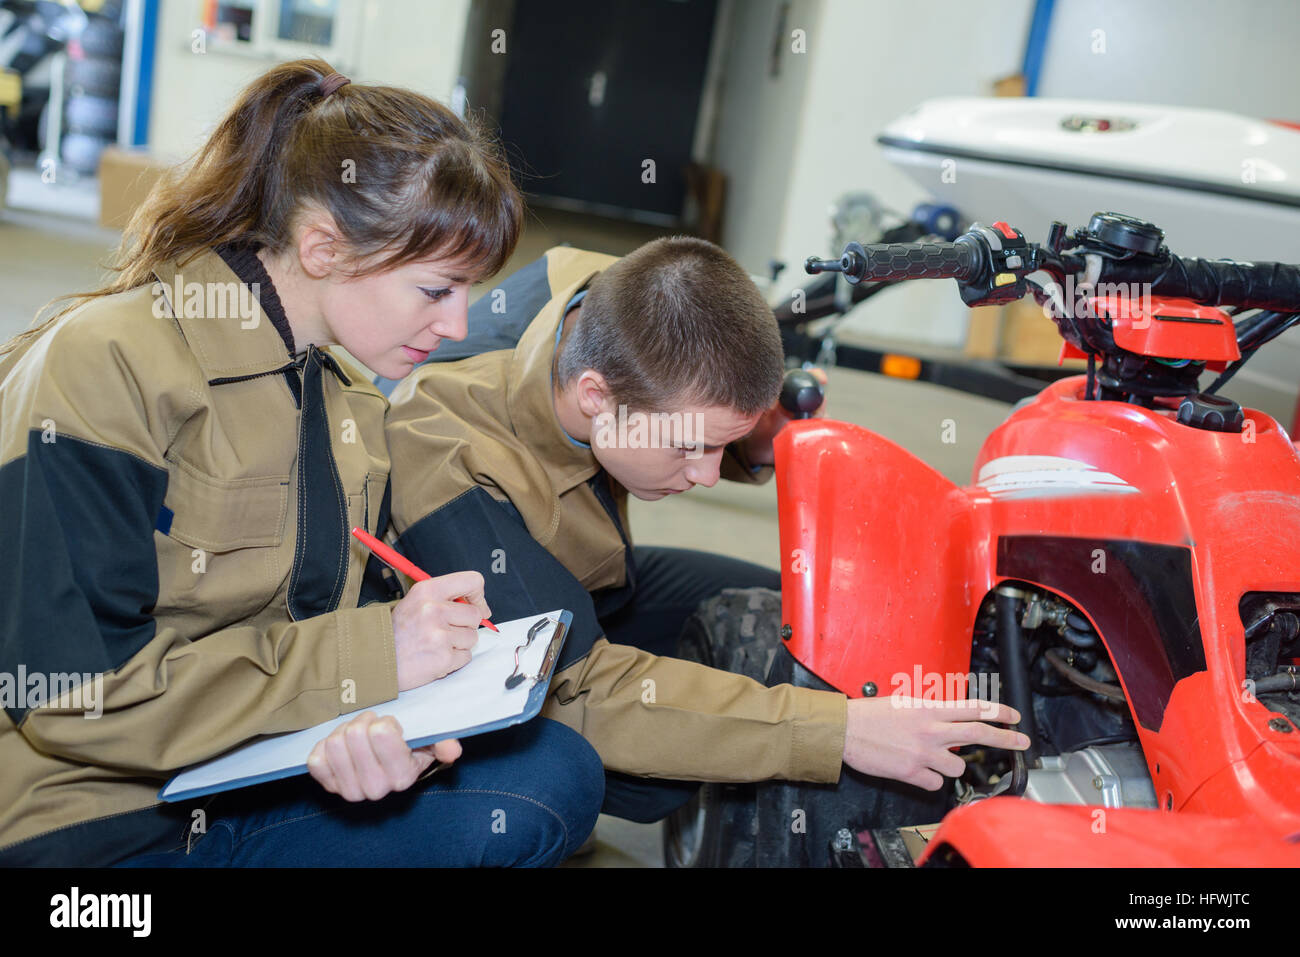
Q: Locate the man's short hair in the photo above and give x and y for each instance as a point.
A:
(677, 321)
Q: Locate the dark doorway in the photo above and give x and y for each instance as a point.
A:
(593, 89)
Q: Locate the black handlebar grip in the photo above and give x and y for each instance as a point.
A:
(895, 261)
(801, 393)
(1215, 282)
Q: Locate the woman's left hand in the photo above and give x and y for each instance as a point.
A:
(367, 758)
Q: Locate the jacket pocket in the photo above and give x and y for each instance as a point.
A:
(223, 515)
(376, 482)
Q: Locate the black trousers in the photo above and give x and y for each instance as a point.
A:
(670, 584)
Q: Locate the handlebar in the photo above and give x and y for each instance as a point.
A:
(995, 265)
(890, 262)
(990, 265)
(1222, 282)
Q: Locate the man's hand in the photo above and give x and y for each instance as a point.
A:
(434, 634)
(758, 444)
(908, 739)
(367, 758)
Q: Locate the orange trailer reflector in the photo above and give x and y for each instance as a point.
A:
(901, 367)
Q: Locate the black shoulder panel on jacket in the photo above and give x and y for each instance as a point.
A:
(379, 583)
(79, 579)
(521, 578)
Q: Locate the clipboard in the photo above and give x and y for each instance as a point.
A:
(505, 683)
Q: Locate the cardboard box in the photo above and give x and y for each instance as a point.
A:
(1020, 333)
(126, 176)
(11, 91)
(983, 331)
(1030, 337)
(916, 838)
(1014, 85)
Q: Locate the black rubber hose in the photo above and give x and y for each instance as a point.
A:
(1015, 672)
(1245, 328)
(1078, 622)
(1078, 638)
(1113, 692)
(1267, 333)
(1282, 681)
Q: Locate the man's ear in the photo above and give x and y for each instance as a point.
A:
(593, 394)
(320, 247)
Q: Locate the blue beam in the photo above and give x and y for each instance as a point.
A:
(1036, 45)
(144, 86)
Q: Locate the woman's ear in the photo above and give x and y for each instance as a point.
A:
(320, 250)
(593, 394)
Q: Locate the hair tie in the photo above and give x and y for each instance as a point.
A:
(332, 83)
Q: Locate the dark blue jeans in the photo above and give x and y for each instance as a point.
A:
(526, 796)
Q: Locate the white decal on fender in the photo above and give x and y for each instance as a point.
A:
(1031, 476)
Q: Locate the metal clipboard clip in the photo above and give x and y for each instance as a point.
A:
(548, 660)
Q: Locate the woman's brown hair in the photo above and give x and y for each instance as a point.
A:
(404, 178)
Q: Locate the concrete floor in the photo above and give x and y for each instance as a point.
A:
(46, 253)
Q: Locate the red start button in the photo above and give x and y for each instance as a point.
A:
(1005, 230)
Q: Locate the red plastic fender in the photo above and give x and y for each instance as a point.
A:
(1013, 832)
(875, 595)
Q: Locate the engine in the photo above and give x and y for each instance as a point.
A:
(1086, 745)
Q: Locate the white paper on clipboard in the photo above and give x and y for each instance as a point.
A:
(469, 701)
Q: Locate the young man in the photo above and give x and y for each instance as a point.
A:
(645, 375)
(658, 446)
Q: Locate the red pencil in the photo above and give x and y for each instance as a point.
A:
(403, 565)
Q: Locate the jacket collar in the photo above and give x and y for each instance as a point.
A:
(238, 339)
(530, 403)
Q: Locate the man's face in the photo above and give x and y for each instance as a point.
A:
(391, 320)
(657, 454)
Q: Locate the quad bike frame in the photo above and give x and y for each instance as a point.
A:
(886, 564)
(1166, 517)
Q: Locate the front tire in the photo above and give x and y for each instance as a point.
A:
(739, 631)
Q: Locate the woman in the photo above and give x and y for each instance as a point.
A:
(181, 460)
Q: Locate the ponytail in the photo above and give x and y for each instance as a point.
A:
(403, 177)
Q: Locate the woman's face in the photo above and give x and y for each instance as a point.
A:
(390, 321)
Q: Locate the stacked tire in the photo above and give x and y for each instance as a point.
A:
(92, 81)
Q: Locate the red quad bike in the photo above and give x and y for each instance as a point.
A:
(1124, 570)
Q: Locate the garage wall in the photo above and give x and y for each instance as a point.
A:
(411, 43)
(793, 145)
(1239, 57)
(758, 122)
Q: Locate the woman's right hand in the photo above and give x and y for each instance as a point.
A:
(434, 633)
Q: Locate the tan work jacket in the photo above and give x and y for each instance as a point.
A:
(155, 541)
(485, 426)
